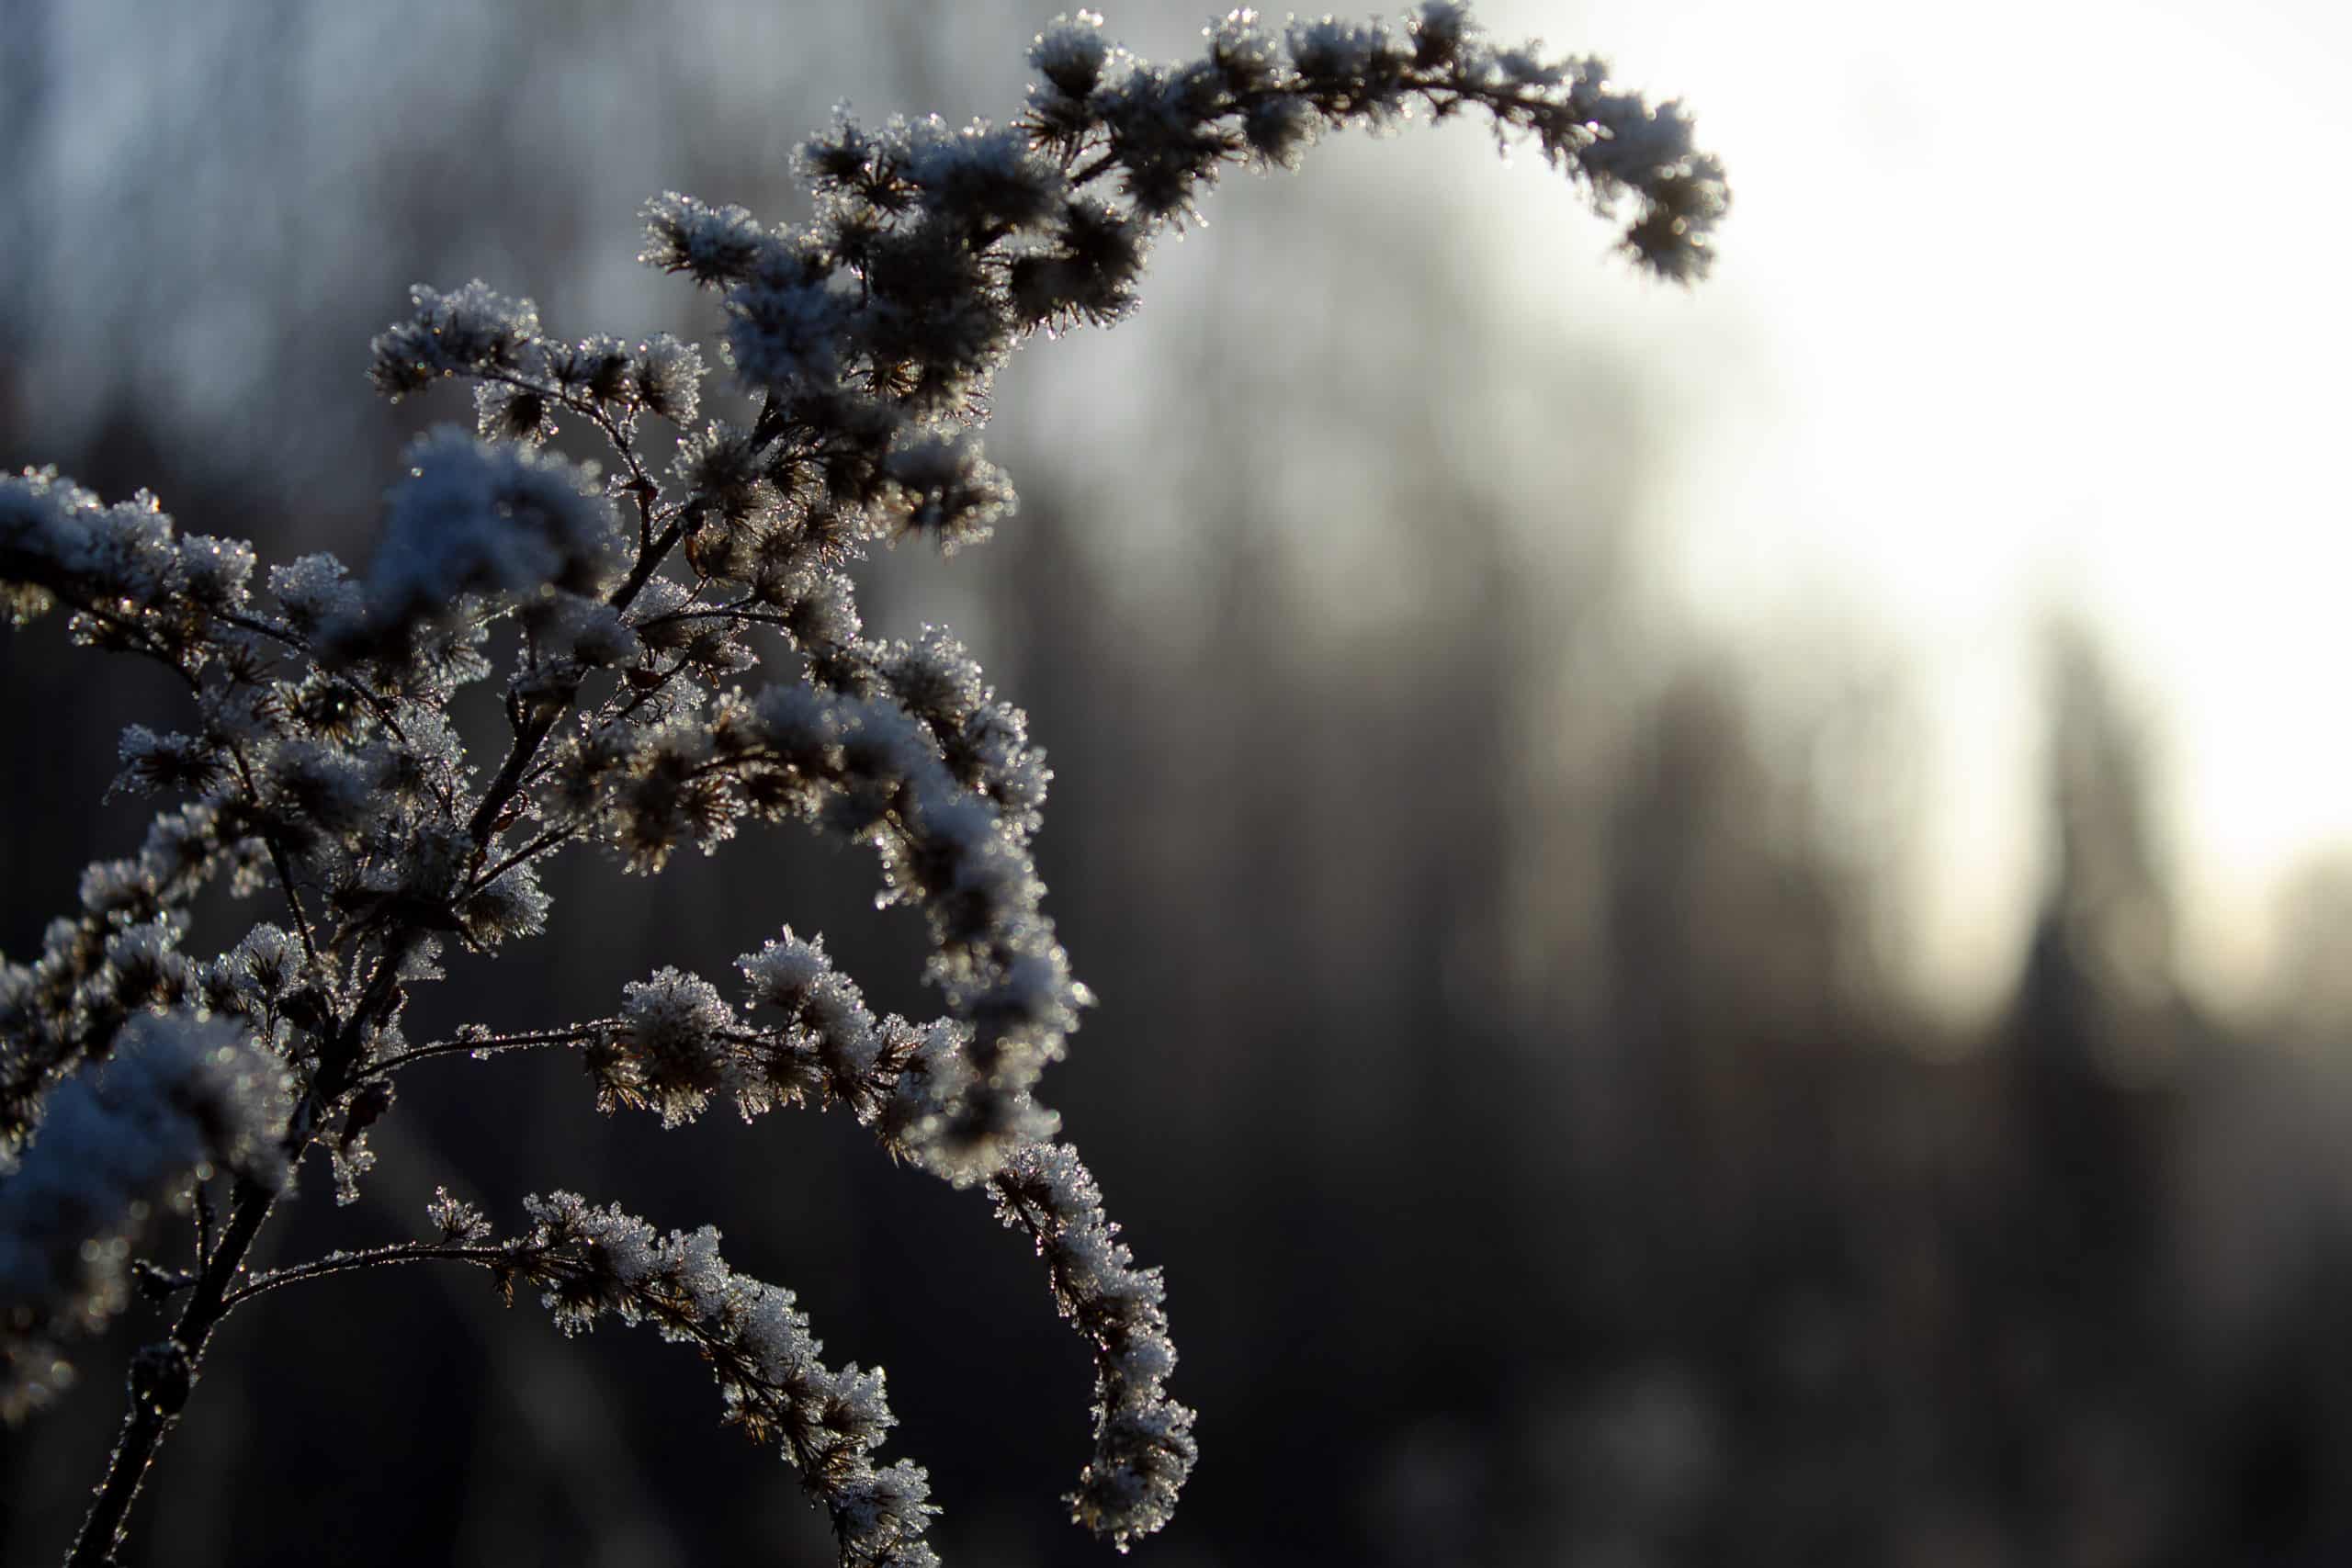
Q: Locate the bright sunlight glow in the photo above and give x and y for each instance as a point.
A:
(2022, 306)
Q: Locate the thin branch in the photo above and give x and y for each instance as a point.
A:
(278, 860)
(489, 1045)
(260, 628)
(150, 1420)
(532, 851)
(337, 1263)
(705, 613)
(649, 560)
(136, 638)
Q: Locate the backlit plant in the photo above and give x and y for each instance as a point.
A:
(621, 610)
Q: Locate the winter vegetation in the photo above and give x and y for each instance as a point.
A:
(676, 645)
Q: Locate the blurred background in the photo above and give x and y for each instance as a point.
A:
(1723, 917)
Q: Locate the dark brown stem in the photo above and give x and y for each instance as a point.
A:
(155, 1403)
(649, 560)
(154, 1413)
(531, 726)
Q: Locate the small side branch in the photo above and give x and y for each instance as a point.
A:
(483, 1045)
(380, 1256)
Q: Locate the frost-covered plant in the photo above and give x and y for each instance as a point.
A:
(320, 765)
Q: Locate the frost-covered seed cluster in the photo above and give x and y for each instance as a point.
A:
(1142, 1439)
(592, 1262)
(677, 1044)
(182, 1091)
(621, 605)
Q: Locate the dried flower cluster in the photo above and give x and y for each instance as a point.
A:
(320, 764)
(593, 1261)
(183, 1092)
